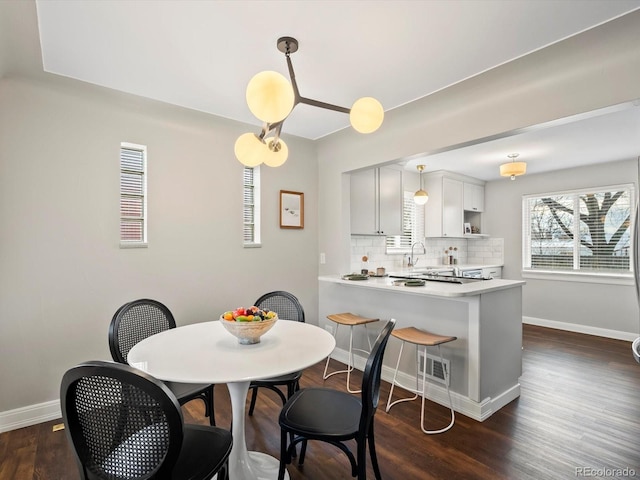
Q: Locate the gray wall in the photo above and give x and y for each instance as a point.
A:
(590, 307)
(593, 70)
(62, 272)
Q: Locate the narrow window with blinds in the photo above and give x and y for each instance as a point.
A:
(251, 207)
(412, 227)
(133, 195)
(581, 231)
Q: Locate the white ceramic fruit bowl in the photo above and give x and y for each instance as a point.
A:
(248, 333)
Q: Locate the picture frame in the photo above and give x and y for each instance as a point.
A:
(467, 228)
(291, 209)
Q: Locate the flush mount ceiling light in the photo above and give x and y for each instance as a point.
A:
(271, 98)
(513, 168)
(420, 197)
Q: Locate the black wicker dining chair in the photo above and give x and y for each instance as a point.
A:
(125, 424)
(287, 306)
(137, 320)
(335, 416)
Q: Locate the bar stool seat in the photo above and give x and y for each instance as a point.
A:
(421, 338)
(351, 320)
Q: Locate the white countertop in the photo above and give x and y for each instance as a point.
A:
(434, 289)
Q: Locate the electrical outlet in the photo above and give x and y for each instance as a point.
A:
(329, 328)
(323, 259)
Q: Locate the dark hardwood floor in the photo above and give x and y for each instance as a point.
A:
(578, 416)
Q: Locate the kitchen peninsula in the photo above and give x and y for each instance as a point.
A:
(485, 316)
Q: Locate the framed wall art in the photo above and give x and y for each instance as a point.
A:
(291, 209)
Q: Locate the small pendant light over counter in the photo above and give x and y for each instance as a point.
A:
(420, 197)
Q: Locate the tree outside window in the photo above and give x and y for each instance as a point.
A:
(587, 231)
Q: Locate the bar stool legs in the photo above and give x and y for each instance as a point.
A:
(424, 339)
(351, 321)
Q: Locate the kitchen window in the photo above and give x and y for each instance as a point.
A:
(580, 232)
(133, 195)
(412, 227)
(251, 207)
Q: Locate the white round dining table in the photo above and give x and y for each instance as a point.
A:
(207, 353)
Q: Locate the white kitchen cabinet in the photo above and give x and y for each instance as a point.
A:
(376, 202)
(473, 197)
(443, 212)
(452, 213)
(453, 201)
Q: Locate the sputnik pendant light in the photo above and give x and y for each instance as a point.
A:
(420, 197)
(271, 98)
(513, 168)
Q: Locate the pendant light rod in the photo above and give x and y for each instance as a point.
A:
(284, 45)
(421, 197)
(272, 99)
(289, 45)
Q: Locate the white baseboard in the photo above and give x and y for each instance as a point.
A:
(29, 415)
(479, 411)
(574, 327)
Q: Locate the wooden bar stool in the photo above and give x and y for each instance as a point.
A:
(420, 338)
(350, 320)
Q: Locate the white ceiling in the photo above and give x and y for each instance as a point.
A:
(201, 54)
(607, 135)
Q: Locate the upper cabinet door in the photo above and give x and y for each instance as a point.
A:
(452, 212)
(363, 203)
(390, 201)
(473, 197)
(376, 202)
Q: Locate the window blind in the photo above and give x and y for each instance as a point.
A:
(412, 226)
(579, 231)
(251, 205)
(133, 200)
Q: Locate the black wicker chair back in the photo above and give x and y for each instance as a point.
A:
(287, 306)
(125, 424)
(137, 320)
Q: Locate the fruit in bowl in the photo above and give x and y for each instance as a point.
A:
(248, 324)
(251, 314)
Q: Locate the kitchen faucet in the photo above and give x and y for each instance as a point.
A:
(412, 260)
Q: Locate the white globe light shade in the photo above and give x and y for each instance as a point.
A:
(366, 115)
(270, 96)
(250, 150)
(276, 156)
(420, 197)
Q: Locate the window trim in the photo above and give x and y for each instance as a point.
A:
(145, 219)
(625, 277)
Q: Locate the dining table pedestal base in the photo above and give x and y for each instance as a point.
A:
(243, 464)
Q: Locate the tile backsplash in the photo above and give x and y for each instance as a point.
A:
(476, 251)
